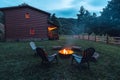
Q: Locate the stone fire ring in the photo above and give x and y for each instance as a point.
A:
(74, 48)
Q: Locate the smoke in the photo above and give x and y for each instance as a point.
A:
(69, 41)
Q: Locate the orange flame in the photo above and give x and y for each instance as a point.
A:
(66, 51)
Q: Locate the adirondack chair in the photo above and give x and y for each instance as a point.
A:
(87, 57)
(45, 58)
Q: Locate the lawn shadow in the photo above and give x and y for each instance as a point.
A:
(41, 71)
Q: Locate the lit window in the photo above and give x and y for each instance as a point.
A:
(32, 31)
(51, 28)
(27, 15)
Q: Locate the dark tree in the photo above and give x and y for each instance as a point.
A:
(1, 17)
(86, 22)
(55, 20)
(68, 26)
(80, 20)
(110, 18)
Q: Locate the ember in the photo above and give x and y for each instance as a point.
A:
(66, 51)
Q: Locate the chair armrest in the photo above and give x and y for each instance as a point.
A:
(95, 55)
(74, 55)
(52, 57)
(77, 58)
(55, 54)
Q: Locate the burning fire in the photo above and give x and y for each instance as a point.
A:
(66, 51)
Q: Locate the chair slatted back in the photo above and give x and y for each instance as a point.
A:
(41, 53)
(87, 54)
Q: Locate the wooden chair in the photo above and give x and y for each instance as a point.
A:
(45, 58)
(87, 57)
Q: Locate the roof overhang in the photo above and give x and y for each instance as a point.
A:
(24, 6)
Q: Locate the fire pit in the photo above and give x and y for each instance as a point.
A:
(65, 52)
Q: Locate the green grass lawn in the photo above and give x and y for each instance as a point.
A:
(17, 62)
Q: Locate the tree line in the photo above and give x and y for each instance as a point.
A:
(107, 23)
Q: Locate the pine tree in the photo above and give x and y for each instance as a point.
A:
(110, 18)
(55, 20)
(80, 20)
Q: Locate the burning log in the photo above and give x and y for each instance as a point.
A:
(66, 51)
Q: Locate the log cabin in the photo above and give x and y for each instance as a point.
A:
(25, 22)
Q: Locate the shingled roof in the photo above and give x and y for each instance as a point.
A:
(24, 6)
